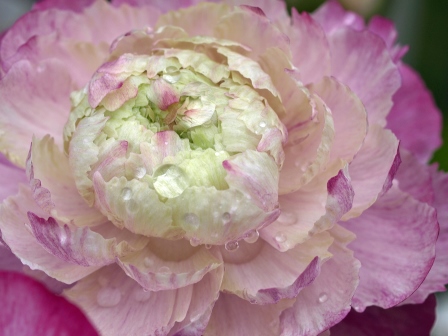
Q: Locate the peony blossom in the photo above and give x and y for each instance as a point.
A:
(221, 168)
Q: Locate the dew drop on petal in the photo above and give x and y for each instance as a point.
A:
(232, 246)
(262, 124)
(226, 218)
(280, 237)
(164, 269)
(323, 297)
(140, 172)
(148, 262)
(108, 297)
(194, 242)
(191, 221)
(287, 218)
(252, 237)
(208, 246)
(126, 194)
(63, 238)
(141, 294)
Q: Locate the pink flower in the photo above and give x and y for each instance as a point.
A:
(220, 168)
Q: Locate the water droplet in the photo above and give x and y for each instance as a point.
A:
(194, 242)
(232, 246)
(108, 297)
(170, 180)
(287, 218)
(148, 262)
(280, 237)
(140, 172)
(226, 218)
(208, 246)
(252, 237)
(141, 294)
(191, 221)
(166, 143)
(126, 194)
(63, 238)
(323, 297)
(262, 124)
(164, 269)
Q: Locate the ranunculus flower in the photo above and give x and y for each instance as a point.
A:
(221, 168)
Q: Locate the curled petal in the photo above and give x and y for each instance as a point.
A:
(260, 274)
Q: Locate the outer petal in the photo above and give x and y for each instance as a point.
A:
(327, 300)
(395, 243)
(164, 265)
(118, 305)
(43, 112)
(362, 61)
(260, 274)
(33, 310)
(332, 16)
(76, 6)
(22, 243)
(10, 177)
(438, 275)
(414, 118)
(234, 316)
(407, 320)
(54, 188)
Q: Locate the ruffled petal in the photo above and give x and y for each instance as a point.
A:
(373, 168)
(117, 304)
(234, 316)
(395, 243)
(13, 221)
(332, 16)
(10, 177)
(45, 111)
(33, 310)
(165, 265)
(263, 275)
(438, 275)
(349, 117)
(360, 60)
(54, 188)
(409, 320)
(414, 118)
(312, 209)
(327, 300)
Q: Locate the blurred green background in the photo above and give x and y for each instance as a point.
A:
(423, 26)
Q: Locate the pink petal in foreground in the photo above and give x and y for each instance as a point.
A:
(407, 320)
(395, 242)
(10, 177)
(33, 310)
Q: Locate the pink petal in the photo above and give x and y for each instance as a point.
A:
(332, 16)
(10, 177)
(361, 61)
(309, 46)
(49, 100)
(312, 209)
(118, 305)
(13, 221)
(54, 188)
(349, 116)
(395, 243)
(76, 6)
(373, 168)
(234, 316)
(385, 28)
(438, 275)
(409, 320)
(327, 300)
(166, 265)
(30, 309)
(261, 274)
(414, 118)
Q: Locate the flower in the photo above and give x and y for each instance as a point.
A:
(220, 168)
